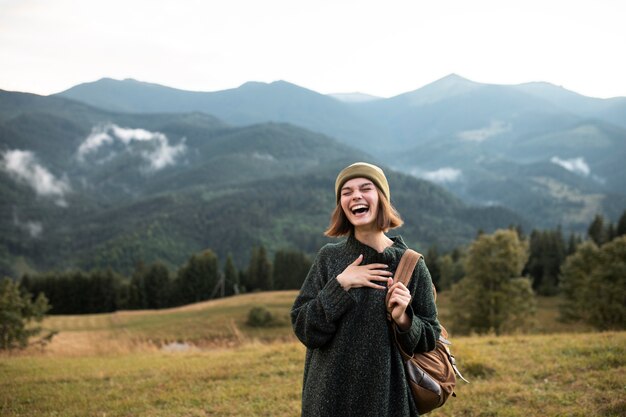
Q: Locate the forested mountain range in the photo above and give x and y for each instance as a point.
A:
(551, 154)
(84, 187)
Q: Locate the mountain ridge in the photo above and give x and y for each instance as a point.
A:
(456, 124)
(128, 187)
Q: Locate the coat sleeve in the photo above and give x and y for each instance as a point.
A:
(319, 305)
(424, 332)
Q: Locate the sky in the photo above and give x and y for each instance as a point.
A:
(382, 48)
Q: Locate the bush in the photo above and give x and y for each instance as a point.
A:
(260, 316)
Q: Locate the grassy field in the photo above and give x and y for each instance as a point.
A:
(116, 365)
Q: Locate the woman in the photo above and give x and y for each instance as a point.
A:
(352, 366)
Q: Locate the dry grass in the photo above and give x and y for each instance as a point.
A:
(210, 324)
(114, 365)
(533, 375)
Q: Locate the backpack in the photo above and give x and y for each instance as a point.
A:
(431, 375)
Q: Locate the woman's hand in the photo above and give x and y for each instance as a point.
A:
(356, 275)
(398, 300)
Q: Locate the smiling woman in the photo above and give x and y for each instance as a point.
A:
(361, 189)
(352, 368)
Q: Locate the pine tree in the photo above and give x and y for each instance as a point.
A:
(596, 230)
(611, 233)
(572, 244)
(620, 230)
(197, 279)
(17, 312)
(547, 253)
(432, 260)
(136, 296)
(156, 286)
(290, 269)
(259, 274)
(231, 276)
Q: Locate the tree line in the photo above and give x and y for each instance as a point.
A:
(503, 271)
(492, 282)
(154, 286)
(545, 262)
(547, 252)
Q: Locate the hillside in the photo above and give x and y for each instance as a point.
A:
(203, 359)
(84, 187)
(448, 132)
(222, 322)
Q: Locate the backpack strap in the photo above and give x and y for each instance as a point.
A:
(405, 268)
(404, 271)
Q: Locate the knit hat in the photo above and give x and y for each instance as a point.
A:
(362, 170)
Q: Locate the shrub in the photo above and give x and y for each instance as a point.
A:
(260, 316)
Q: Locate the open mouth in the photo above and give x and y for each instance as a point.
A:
(359, 209)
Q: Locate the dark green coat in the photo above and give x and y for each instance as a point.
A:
(352, 367)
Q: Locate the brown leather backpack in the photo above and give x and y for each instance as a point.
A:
(431, 375)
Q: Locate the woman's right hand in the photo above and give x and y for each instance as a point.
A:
(356, 275)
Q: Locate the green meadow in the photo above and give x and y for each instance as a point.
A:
(203, 360)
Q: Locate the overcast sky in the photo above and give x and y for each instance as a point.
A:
(382, 48)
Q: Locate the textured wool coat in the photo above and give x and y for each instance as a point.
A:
(352, 367)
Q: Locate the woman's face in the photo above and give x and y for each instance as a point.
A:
(359, 201)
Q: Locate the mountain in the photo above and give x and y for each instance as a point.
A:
(444, 131)
(251, 103)
(612, 110)
(353, 97)
(454, 131)
(86, 187)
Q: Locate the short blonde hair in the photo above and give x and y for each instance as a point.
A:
(386, 218)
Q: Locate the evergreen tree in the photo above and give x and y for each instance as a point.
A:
(136, 296)
(572, 244)
(620, 230)
(103, 292)
(243, 281)
(231, 277)
(432, 260)
(611, 233)
(197, 279)
(492, 296)
(547, 253)
(290, 269)
(259, 274)
(17, 311)
(156, 286)
(596, 230)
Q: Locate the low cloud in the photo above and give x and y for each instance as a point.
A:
(479, 135)
(440, 176)
(263, 156)
(24, 167)
(34, 229)
(575, 165)
(159, 155)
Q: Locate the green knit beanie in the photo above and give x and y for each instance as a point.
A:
(362, 170)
